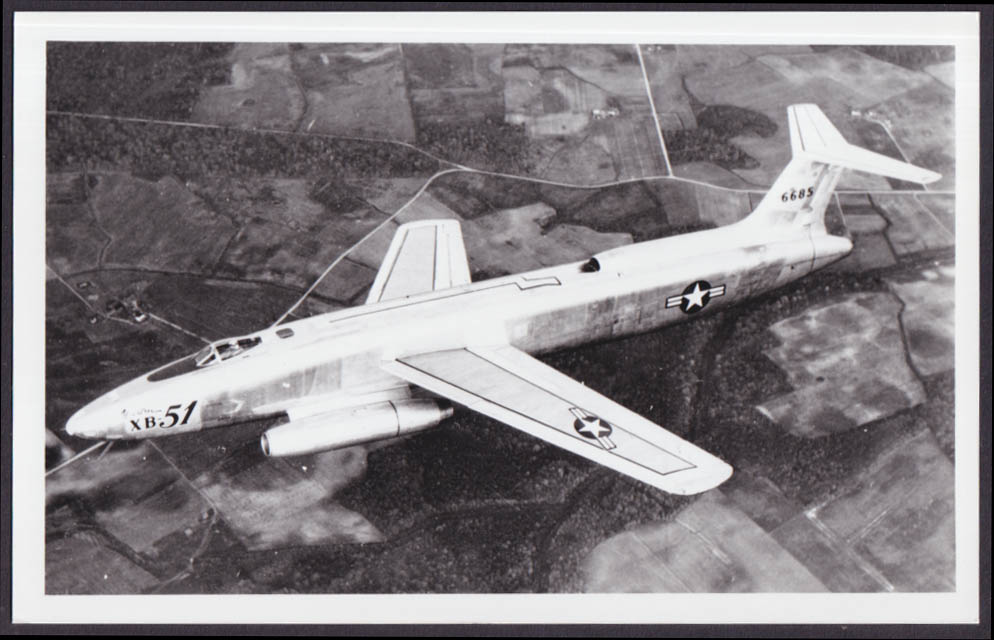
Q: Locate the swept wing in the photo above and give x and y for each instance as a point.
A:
(510, 386)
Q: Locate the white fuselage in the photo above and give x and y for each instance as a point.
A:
(335, 359)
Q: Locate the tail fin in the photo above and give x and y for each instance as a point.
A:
(801, 194)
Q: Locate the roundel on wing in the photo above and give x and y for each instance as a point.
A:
(592, 427)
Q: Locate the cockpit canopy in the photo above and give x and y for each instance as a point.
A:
(224, 349)
(209, 355)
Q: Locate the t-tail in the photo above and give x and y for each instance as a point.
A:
(799, 197)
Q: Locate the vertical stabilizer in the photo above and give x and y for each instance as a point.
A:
(801, 193)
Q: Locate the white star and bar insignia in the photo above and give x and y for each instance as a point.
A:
(593, 427)
(695, 297)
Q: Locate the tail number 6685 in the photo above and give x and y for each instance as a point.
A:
(797, 194)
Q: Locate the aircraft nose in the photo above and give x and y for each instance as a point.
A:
(90, 422)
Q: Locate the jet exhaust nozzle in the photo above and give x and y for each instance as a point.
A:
(348, 427)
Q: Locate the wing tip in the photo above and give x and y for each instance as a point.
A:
(703, 479)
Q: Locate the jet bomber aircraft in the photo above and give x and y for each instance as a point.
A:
(428, 338)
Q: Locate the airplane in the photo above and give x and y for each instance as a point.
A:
(428, 338)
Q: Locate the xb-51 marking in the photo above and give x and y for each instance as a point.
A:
(428, 337)
(155, 418)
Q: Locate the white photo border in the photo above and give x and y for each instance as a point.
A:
(33, 29)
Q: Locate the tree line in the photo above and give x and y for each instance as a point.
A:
(152, 150)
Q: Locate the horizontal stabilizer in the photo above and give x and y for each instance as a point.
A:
(800, 195)
(863, 160)
(813, 136)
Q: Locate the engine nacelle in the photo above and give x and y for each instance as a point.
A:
(347, 427)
